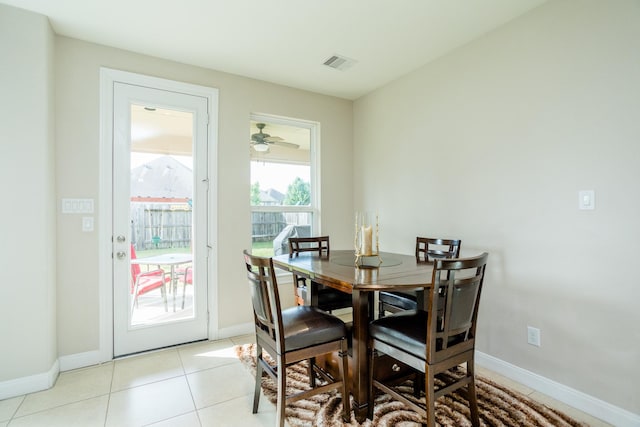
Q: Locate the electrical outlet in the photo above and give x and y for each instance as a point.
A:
(533, 336)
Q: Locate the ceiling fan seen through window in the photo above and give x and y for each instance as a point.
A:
(261, 141)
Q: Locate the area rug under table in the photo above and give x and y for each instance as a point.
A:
(498, 405)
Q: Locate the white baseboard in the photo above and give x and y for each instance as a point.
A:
(588, 404)
(30, 384)
(81, 360)
(236, 330)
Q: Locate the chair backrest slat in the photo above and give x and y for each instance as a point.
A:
(264, 296)
(428, 249)
(318, 244)
(453, 323)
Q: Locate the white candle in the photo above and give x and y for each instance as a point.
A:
(367, 239)
(356, 241)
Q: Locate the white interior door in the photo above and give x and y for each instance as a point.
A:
(160, 206)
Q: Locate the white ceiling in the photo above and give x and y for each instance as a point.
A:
(285, 41)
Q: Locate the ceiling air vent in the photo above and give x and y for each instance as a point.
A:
(339, 62)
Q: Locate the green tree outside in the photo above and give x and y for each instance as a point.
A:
(298, 193)
(255, 194)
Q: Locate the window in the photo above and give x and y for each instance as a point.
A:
(283, 191)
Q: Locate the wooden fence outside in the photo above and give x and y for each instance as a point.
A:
(266, 226)
(168, 225)
(160, 225)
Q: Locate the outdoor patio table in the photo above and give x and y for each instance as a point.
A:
(171, 260)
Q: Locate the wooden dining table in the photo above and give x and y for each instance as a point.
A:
(338, 270)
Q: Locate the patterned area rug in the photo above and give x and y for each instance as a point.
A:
(498, 405)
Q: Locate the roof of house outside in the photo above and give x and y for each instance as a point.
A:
(271, 197)
(164, 177)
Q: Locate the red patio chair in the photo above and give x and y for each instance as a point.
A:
(143, 282)
(186, 276)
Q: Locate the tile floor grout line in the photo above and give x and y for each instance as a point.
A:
(13, 418)
(24, 396)
(149, 383)
(186, 379)
(113, 373)
(170, 418)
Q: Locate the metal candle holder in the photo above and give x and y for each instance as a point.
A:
(366, 243)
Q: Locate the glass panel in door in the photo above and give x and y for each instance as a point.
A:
(161, 215)
(159, 210)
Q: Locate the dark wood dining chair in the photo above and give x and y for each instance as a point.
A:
(323, 297)
(291, 336)
(433, 342)
(427, 249)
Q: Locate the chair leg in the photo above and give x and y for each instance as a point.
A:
(371, 391)
(281, 404)
(312, 375)
(134, 304)
(184, 290)
(296, 290)
(473, 404)
(418, 383)
(430, 399)
(163, 291)
(344, 373)
(256, 393)
(380, 309)
(471, 395)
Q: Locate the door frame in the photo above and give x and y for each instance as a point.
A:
(108, 77)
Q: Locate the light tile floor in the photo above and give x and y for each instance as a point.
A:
(195, 385)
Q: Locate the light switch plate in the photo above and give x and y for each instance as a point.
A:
(87, 223)
(533, 336)
(77, 206)
(586, 200)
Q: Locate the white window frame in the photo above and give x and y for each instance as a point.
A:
(314, 154)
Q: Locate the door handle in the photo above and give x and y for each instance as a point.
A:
(121, 254)
(121, 239)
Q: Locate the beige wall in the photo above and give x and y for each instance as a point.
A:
(491, 144)
(77, 108)
(27, 217)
